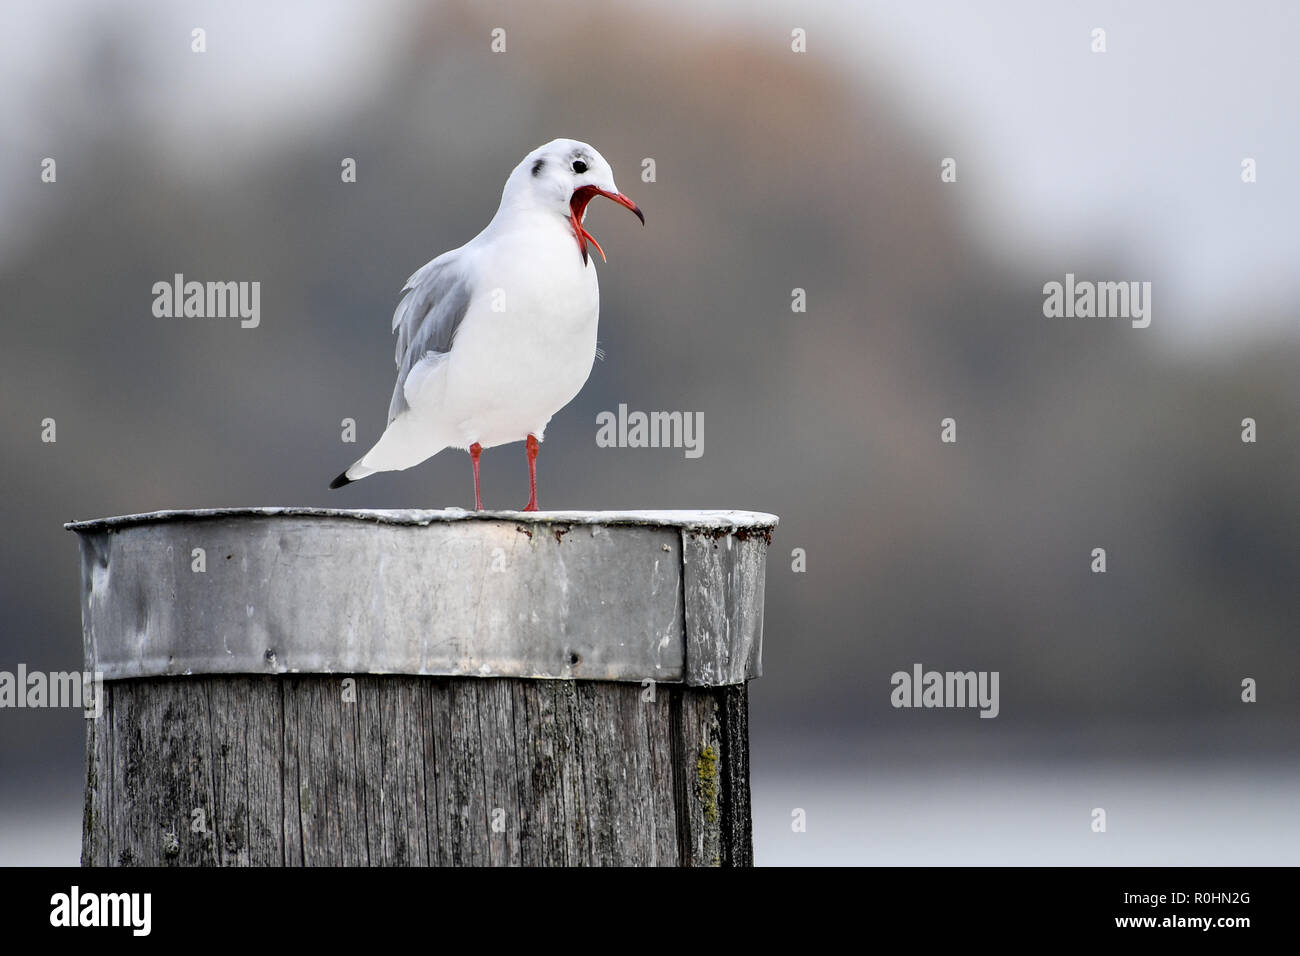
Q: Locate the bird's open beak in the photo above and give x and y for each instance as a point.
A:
(625, 203)
(578, 206)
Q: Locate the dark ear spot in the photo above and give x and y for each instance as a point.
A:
(537, 167)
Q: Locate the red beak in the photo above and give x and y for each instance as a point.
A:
(578, 205)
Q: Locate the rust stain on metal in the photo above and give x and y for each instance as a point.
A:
(740, 534)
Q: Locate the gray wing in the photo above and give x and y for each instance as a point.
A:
(434, 302)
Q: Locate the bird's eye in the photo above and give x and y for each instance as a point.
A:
(579, 166)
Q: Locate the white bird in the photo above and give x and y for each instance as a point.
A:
(497, 336)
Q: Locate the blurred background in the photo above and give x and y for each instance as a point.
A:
(774, 171)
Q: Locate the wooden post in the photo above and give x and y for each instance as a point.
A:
(308, 687)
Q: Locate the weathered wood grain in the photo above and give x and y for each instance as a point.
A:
(327, 770)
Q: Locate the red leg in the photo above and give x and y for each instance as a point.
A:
(474, 451)
(532, 474)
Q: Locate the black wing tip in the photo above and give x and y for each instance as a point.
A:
(340, 481)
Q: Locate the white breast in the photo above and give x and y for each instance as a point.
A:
(524, 349)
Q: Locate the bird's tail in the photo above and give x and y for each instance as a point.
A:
(403, 445)
(355, 472)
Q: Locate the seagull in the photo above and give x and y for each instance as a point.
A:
(497, 336)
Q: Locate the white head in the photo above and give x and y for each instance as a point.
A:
(562, 177)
